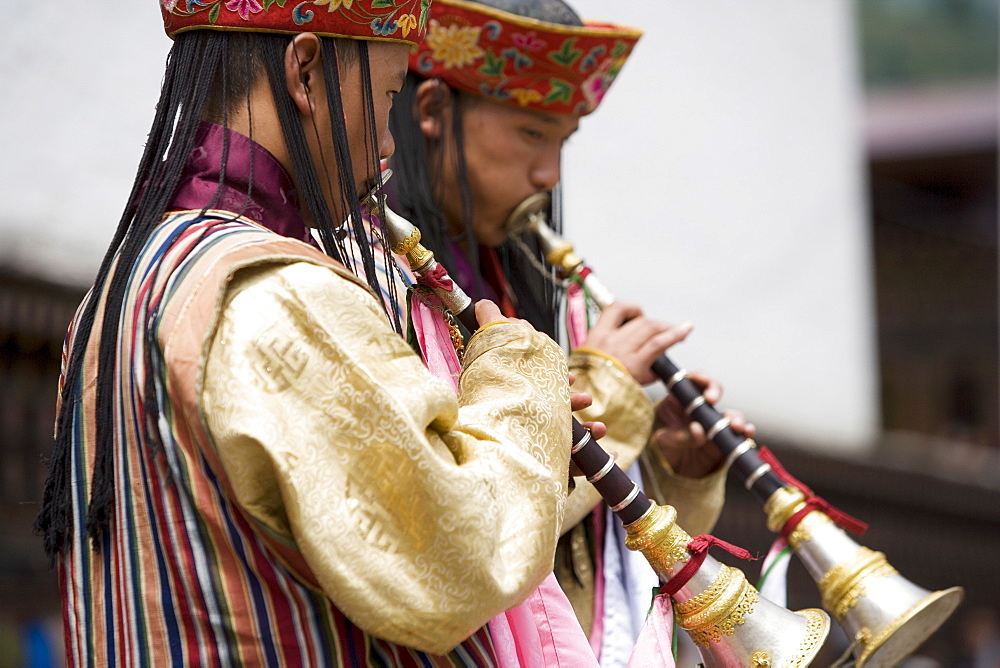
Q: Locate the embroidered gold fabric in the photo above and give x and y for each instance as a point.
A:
(421, 514)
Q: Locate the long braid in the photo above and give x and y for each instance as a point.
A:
(415, 165)
(153, 178)
(306, 180)
(345, 164)
(54, 521)
(198, 63)
(373, 167)
(162, 184)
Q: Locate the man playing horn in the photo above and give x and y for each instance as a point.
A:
(251, 466)
(493, 93)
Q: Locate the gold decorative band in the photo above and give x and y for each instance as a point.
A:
(717, 427)
(714, 590)
(578, 446)
(844, 584)
(721, 608)
(784, 503)
(658, 537)
(676, 378)
(817, 628)
(420, 258)
(407, 244)
(604, 470)
(627, 500)
(695, 403)
(756, 475)
(562, 256)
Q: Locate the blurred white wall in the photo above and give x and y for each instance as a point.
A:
(79, 91)
(720, 182)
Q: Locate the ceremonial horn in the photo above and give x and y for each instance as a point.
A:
(885, 616)
(724, 615)
(715, 604)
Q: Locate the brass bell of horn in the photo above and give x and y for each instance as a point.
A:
(886, 616)
(725, 616)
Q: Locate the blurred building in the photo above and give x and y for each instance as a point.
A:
(930, 489)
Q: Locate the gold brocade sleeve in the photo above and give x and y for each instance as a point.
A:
(626, 410)
(421, 514)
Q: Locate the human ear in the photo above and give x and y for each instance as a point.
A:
(433, 107)
(302, 70)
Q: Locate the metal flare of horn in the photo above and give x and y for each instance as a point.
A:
(725, 616)
(721, 612)
(884, 614)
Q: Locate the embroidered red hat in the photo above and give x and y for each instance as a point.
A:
(389, 20)
(519, 60)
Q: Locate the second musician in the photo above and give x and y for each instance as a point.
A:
(479, 127)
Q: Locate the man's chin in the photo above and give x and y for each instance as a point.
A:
(493, 239)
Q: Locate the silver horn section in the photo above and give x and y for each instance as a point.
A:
(886, 616)
(724, 615)
(403, 238)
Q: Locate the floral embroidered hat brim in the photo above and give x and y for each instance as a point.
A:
(518, 60)
(389, 20)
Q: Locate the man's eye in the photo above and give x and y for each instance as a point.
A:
(533, 135)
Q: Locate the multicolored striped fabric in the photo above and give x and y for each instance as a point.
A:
(185, 577)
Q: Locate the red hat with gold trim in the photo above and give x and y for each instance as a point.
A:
(518, 60)
(388, 20)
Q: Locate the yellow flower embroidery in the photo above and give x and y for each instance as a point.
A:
(525, 96)
(334, 5)
(406, 23)
(455, 46)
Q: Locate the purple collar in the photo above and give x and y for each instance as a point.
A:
(273, 202)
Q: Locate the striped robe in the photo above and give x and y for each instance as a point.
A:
(185, 576)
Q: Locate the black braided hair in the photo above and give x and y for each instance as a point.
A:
(208, 74)
(416, 164)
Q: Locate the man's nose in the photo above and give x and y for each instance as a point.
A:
(387, 147)
(545, 173)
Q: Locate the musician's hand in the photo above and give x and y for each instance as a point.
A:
(580, 400)
(488, 313)
(682, 441)
(624, 333)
